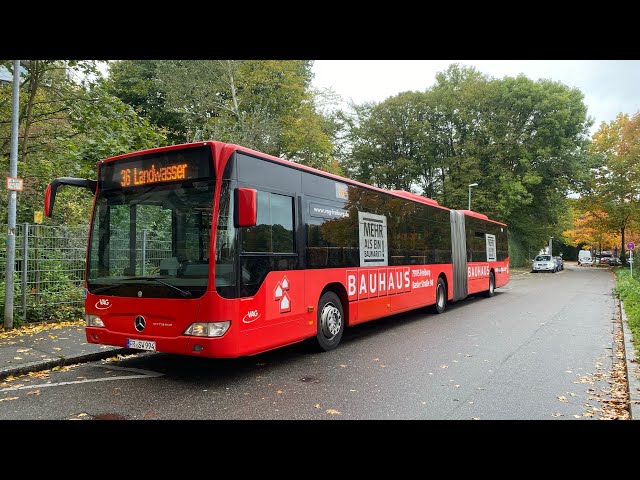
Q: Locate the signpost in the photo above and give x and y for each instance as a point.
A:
(12, 186)
(631, 246)
(15, 184)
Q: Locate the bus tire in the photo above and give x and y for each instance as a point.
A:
(330, 321)
(441, 297)
(492, 285)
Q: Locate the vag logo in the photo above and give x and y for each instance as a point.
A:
(251, 316)
(103, 304)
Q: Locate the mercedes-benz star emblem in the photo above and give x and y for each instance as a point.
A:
(139, 323)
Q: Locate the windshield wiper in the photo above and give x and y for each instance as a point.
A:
(107, 287)
(184, 293)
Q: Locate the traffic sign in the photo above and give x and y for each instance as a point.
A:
(16, 184)
(631, 246)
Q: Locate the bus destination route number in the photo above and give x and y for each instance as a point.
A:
(140, 176)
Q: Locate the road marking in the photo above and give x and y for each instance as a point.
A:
(141, 374)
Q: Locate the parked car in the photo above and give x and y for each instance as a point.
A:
(559, 262)
(544, 263)
(613, 261)
(584, 258)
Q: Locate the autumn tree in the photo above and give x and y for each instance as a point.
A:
(616, 184)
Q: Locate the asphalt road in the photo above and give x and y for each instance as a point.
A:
(529, 352)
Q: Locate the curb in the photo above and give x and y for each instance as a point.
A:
(46, 365)
(633, 378)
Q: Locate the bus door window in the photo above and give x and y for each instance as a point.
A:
(270, 244)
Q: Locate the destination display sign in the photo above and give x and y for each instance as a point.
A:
(169, 166)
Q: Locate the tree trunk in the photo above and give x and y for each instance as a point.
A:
(34, 83)
(232, 84)
(622, 257)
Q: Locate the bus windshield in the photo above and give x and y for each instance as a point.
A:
(152, 238)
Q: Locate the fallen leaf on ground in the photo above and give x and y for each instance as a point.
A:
(23, 350)
(444, 366)
(475, 418)
(279, 392)
(331, 411)
(57, 348)
(317, 405)
(343, 366)
(556, 414)
(34, 392)
(8, 398)
(562, 398)
(82, 414)
(576, 416)
(17, 358)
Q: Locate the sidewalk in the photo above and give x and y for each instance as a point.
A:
(37, 347)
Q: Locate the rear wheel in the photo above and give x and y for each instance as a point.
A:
(492, 285)
(441, 297)
(330, 320)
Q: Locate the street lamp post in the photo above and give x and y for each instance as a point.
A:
(471, 185)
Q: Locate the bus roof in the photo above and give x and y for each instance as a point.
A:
(219, 146)
(481, 216)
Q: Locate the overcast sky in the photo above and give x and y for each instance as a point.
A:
(609, 86)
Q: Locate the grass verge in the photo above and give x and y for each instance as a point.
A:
(628, 290)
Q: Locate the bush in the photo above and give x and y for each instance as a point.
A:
(628, 290)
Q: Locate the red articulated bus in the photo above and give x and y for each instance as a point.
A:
(216, 250)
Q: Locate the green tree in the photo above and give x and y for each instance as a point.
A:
(135, 83)
(523, 141)
(67, 123)
(266, 105)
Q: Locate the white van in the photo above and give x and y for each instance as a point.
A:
(584, 258)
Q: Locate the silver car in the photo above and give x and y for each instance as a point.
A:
(544, 263)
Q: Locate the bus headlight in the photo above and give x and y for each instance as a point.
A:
(93, 321)
(208, 329)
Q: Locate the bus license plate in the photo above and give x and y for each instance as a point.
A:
(141, 344)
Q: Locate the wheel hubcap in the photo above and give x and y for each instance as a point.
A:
(331, 320)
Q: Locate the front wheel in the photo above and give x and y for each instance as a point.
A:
(330, 320)
(441, 297)
(492, 285)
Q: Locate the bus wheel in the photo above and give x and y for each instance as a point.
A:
(492, 286)
(330, 321)
(441, 297)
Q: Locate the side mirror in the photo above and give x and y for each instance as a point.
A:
(52, 189)
(49, 198)
(246, 207)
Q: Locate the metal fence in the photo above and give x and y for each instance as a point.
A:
(49, 270)
(50, 267)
